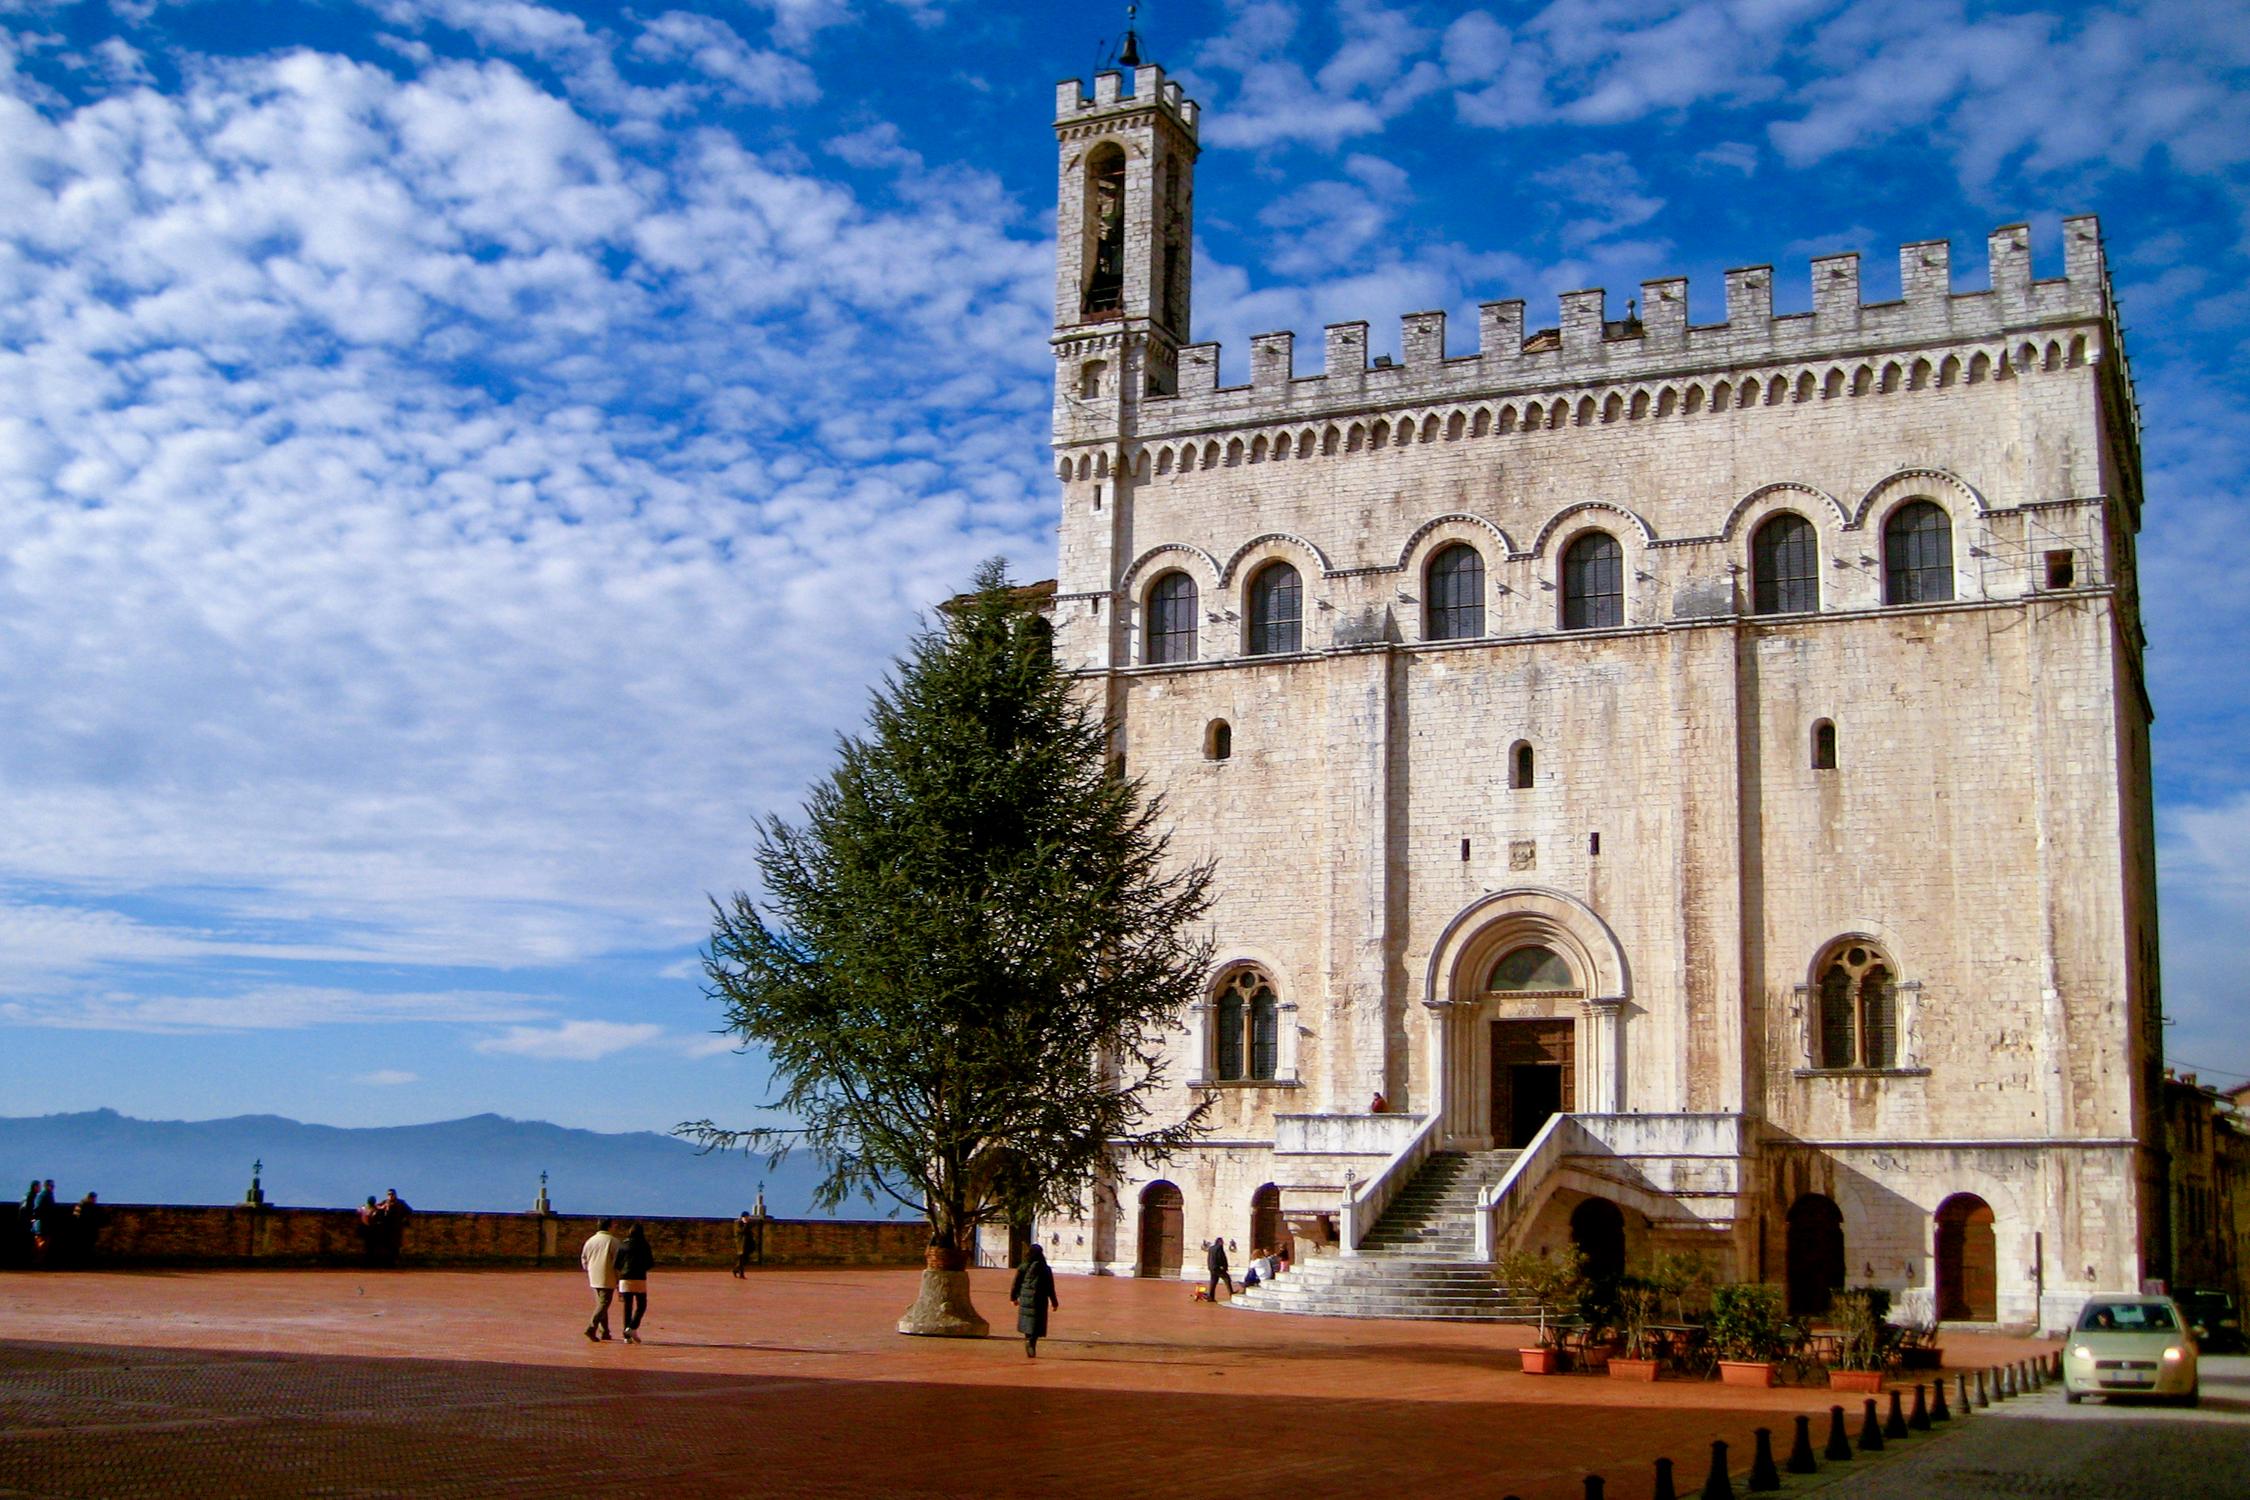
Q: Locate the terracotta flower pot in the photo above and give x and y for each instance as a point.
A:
(1621, 1368)
(1542, 1361)
(1866, 1382)
(1745, 1372)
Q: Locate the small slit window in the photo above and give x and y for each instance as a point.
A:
(1218, 740)
(1522, 766)
(1824, 745)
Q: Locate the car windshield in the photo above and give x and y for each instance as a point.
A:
(2126, 1317)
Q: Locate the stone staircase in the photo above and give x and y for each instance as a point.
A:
(1418, 1262)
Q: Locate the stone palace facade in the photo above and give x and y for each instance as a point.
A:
(1696, 773)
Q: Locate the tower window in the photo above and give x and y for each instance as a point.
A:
(2062, 569)
(1105, 231)
(1276, 610)
(1171, 620)
(1456, 594)
(1090, 378)
(1784, 567)
(1521, 766)
(1824, 745)
(1918, 555)
(1218, 740)
(1593, 583)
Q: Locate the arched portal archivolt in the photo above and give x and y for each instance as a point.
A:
(1465, 1007)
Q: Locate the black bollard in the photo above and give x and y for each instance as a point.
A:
(1967, 1405)
(1894, 1425)
(1919, 1418)
(1664, 1490)
(1839, 1444)
(2058, 1374)
(2000, 1391)
(1593, 1487)
(2038, 1374)
(1801, 1460)
(1870, 1430)
(1938, 1410)
(1716, 1484)
(2008, 1380)
(1984, 1398)
(1763, 1475)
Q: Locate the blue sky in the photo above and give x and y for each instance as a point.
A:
(460, 463)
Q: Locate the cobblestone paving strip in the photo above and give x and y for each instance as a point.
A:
(792, 1383)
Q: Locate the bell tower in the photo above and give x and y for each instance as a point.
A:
(1124, 232)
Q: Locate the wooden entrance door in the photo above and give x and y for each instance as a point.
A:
(1968, 1260)
(1163, 1244)
(1265, 1219)
(1533, 1076)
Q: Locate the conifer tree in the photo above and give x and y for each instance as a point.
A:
(970, 951)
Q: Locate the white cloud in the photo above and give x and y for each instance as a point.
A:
(571, 1041)
(716, 49)
(385, 1078)
(1376, 73)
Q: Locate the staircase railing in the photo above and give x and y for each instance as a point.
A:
(1501, 1204)
(1366, 1202)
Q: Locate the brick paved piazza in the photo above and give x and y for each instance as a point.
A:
(792, 1383)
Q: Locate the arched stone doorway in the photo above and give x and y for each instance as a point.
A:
(1816, 1253)
(1163, 1239)
(1968, 1261)
(1265, 1219)
(1597, 1228)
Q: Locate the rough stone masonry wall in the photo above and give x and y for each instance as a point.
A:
(138, 1234)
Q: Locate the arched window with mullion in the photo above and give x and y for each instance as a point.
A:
(1247, 1020)
(1171, 620)
(1230, 1034)
(1918, 554)
(1593, 571)
(1276, 610)
(1784, 567)
(1456, 594)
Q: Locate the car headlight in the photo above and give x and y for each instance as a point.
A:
(2081, 1352)
(2173, 1354)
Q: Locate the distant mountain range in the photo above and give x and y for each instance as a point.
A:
(482, 1162)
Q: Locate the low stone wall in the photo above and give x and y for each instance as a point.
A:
(147, 1234)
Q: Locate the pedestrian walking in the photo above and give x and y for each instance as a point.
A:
(633, 1263)
(1216, 1259)
(599, 1255)
(741, 1243)
(46, 1228)
(1033, 1292)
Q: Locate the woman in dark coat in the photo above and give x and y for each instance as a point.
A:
(633, 1266)
(1033, 1292)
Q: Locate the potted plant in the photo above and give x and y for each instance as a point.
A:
(1680, 1276)
(1636, 1310)
(1748, 1329)
(1551, 1281)
(1858, 1315)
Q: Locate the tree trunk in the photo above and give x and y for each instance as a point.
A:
(943, 1310)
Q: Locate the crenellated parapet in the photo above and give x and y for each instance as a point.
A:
(1076, 110)
(1589, 355)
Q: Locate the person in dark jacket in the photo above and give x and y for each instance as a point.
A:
(1217, 1261)
(1033, 1292)
(633, 1264)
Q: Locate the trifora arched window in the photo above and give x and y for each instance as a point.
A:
(1784, 567)
(1171, 620)
(1456, 594)
(1858, 1009)
(1918, 554)
(1276, 611)
(1593, 582)
(1248, 1029)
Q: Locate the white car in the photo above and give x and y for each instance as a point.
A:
(2130, 1345)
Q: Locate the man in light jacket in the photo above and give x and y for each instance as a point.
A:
(599, 1256)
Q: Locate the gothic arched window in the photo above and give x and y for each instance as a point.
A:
(1171, 620)
(1593, 583)
(1456, 594)
(1248, 1028)
(1277, 611)
(1858, 1009)
(1918, 555)
(1784, 567)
